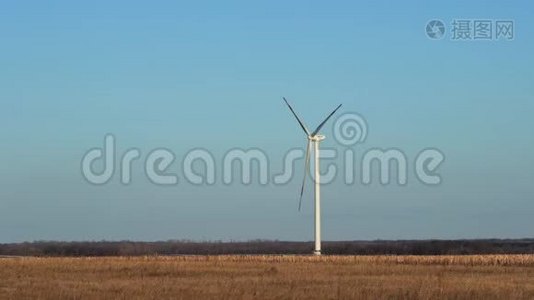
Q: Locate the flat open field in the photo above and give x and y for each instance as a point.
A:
(270, 277)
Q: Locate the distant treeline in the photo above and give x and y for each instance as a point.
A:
(128, 248)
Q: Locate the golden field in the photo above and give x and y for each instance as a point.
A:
(269, 277)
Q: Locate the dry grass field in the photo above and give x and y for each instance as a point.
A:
(269, 277)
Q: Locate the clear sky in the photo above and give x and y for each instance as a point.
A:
(212, 74)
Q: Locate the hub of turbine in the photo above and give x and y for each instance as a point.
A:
(317, 138)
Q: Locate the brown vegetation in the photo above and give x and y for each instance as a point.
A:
(269, 277)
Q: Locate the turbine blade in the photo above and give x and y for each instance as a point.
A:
(300, 122)
(324, 122)
(306, 170)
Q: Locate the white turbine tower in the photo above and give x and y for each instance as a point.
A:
(315, 138)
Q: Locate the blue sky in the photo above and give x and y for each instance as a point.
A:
(212, 74)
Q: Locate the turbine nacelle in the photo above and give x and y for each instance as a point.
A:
(316, 138)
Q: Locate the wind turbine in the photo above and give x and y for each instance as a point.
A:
(313, 138)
